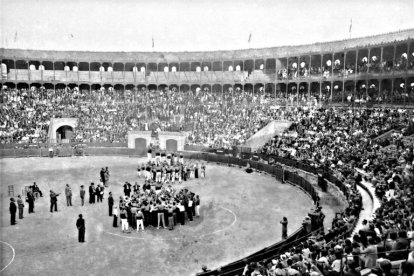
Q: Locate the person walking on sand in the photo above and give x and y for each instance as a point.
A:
(284, 223)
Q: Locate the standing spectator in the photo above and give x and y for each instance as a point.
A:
(82, 195)
(181, 208)
(284, 223)
(12, 210)
(115, 222)
(53, 201)
(80, 224)
(197, 205)
(30, 200)
(99, 193)
(106, 177)
(68, 193)
(371, 254)
(161, 217)
(140, 220)
(110, 203)
(124, 220)
(91, 194)
(189, 208)
(170, 217)
(307, 225)
(20, 204)
(127, 189)
(102, 175)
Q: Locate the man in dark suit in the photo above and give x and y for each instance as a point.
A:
(99, 193)
(53, 201)
(80, 224)
(30, 200)
(102, 175)
(127, 189)
(13, 210)
(110, 203)
(92, 194)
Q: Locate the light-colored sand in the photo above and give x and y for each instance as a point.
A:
(240, 215)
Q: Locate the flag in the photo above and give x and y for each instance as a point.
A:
(153, 43)
(250, 37)
(350, 26)
(15, 37)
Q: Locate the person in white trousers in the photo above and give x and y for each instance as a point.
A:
(140, 220)
(124, 220)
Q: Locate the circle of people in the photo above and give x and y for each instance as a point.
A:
(164, 206)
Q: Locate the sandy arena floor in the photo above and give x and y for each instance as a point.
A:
(240, 214)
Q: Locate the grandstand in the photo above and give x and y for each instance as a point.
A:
(347, 126)
(377, 69)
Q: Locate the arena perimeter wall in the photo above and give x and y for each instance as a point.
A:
(274, 167)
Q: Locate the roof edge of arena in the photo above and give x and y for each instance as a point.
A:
(281, 51)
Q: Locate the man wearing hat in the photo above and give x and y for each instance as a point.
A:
(12, 210)
(30, 200)
(92, 193)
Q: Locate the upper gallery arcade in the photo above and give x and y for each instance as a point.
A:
(359, 62)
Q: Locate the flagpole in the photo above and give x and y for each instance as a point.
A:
(248, 41)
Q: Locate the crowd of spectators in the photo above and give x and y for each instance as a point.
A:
(213, 119)
(342, 142)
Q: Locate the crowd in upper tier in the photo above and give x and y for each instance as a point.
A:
(302, 69)
(341, 141)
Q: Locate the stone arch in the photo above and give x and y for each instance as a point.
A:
(56, 123)
(135, 140)
(178, 137)
(64, 132)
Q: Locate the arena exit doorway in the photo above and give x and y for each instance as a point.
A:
(64, 134)
(171, 145)
(141, 146)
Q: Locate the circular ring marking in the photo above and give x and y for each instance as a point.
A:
(180, 238)
(14, 254)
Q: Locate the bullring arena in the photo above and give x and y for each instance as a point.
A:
(122, 157)
(240, 214)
